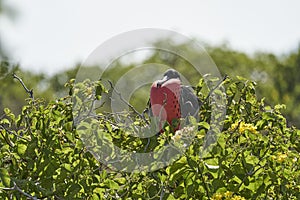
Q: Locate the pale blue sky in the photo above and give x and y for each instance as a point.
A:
(51, 35)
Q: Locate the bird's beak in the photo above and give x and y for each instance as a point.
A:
(162, 81)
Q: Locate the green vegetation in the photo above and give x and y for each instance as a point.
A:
(44, 152)
(255, 156)
(276, 77)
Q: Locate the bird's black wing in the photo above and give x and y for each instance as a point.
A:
(189, 102)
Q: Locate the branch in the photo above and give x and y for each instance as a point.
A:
(128, 104)
(162, 193)
(15, 187)
(6, 139)
(214, 88)
(200, 172)
(30, 92)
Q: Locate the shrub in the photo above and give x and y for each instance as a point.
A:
(256, 156)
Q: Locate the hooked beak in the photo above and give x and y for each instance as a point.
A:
(162, 81)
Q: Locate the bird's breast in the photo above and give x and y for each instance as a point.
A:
(164, 100)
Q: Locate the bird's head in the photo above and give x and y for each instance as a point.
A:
(169, 74)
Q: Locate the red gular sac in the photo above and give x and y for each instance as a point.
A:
(165, 102)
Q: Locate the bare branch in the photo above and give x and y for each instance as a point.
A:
(5, 138)
(128, 104)
(30, 92)
(15, 187)
(214, 88)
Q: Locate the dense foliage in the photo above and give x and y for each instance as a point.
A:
(256, 156)
(276, 77)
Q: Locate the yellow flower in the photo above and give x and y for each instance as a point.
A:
(237, 198)
(242, 127)
(233, 126)
(228, 194)
(217, 196)
(249, 127)
(281, 157)
(176, 137)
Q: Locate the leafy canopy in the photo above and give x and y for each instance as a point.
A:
(255, 156)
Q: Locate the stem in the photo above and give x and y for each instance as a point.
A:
(6, 139)
(15, 187)
(127, 103)
(30, 92)
(203, 180)
(214, 88)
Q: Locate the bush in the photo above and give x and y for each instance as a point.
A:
(256, 156)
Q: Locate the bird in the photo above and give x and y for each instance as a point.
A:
(170, 100)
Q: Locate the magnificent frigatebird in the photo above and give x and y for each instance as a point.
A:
(170, 100)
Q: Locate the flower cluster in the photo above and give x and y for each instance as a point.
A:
(281, 157)
(184, 132)
(227, 196)
(184, 136)
(242, 127)
(217, 196)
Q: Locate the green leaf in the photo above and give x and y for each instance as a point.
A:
(162, 177)
(7, 111)
(21, 149)
(112, 184)
(5, 178)
(192, 163)
(5, 121)
(120, 180)
(178, 174)
(152, 190)
(204, 125)
(222, 141)
(74, 189)
(190, 190)
(177, 166)
(95, 197)
(218, 185)
(67, 167)
(171, 197)
(67, 150)
(99, 90)
(241, 78)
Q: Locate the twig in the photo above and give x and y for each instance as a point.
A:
(30, 92)
(15, 187)
(2, 116)
(214, 88)
(12, 132)
(162, 193)
(6, 139)
(203, 180)
(128, 104)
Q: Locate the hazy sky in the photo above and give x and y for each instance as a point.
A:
(51, 35)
